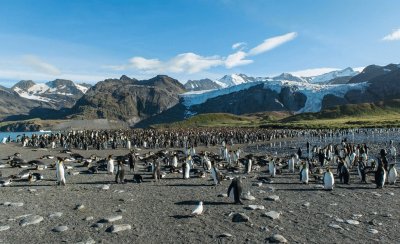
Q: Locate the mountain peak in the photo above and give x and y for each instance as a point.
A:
(235, 79)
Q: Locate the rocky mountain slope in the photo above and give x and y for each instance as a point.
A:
(127, 99)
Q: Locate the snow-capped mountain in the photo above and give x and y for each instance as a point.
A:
(289, 77)
(62, 93)
(203, 84)
(235, 79)
(334, 75)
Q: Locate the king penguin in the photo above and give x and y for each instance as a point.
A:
(214, 174)
(110, 165)
(120, 176)
(362, 172)
(249, 165)
(235, 190)
(304, 177)
(329, 180)
(272, 168)
(185, 170)
(60, 172)
(380, 176)
(392, 175)
(291, 164)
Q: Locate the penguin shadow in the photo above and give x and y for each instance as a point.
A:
(180, 216)
(300, 190)
(204, 203)
(187, 185)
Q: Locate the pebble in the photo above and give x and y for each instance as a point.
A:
(273, 198)
(118, 228)
(272, 215)
(105, 187)
(356, 216)
(352, 222)
(333, 204)
(373, 222)
(306, 204)
(277, 239)
(88, 241)
(335, 226)
(339, 220)
(223, 195)
(60, 228)
(391, 193)
(225, 235)
(387, 215)
(16, 204)
(54, 215)
(270, 189)
(248, 197)
(240, 217)
(264, 228)
(319, 186)
(31, 220)
(4, 227)
(259, 184)
(112, 219)
(98, 225)
(74, 173)
(80, 207)
(89, 218)
(373, 231)
(32, 190)
(121, 211)
(255, 207)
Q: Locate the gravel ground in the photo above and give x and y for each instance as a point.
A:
(159, 212)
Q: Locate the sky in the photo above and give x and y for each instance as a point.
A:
(89, 41)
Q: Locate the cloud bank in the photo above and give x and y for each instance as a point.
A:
(394, 36)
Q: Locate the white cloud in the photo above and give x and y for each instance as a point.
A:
(272, 43)
(193, 63)
(239, 45)
(359, 69)
(312, 72)
(237, 59)
(394, 36)
(40, 66)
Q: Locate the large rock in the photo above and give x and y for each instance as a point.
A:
(240, 217)
(118, 228)
(31, 220)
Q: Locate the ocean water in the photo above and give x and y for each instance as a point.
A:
(14, 135)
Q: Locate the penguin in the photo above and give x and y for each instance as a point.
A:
(186, 170)
(329, 180)
(291, 164)
(392, 174)
(235, 190)
(110, 165)
(35, 177)
(207, 163)
(5, 181)
(120, 175)
(198, 210)
(215, 174)
(157, 171)
(137, 178)
(361, 168)
(345, 174)
(60, 172)
(380, 176)
(249, 164)
(175, 161)
(304, 177)
(272, 168)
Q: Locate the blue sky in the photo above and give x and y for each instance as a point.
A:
(88, 41)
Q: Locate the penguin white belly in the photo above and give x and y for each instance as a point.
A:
(232, 194)
(249, 165)
(392, 175)
(175, 162)
(304, 176)
(110, 166)
(329, 181)
(208, 164)
(60, 174)
(187, 170)
(291, 165)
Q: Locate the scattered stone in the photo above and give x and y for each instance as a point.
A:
(373, 231)
(272, 215)
(89, 218)
(333, 204)
(55, 215)
(111, 219)
(31, 220)
(373, 222)
(248, 197)
(88, 241)
(306, 204)
(16, 204)
(118, 228)
(335, 226)
(262, 191)
(390, 193)
(264, 228)
(387, 215)
(4, 227)
(60, 228)
(240, 217)
(356, 216)
(74, 172)
(270, 189)
(319, 186)
(273, 198)
(80, 207)
(225, 235)
(259, 184)
(339, 220)
(223, 195)
(352, 222)
(121, 211)
(255, 207)
(98, 225)
(277, 239)
(32, 190)
(105, 187)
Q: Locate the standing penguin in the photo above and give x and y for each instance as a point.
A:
(235, 190)
(380, 176)
(345, 174)
(249, 165)
(214, 174)
(329, 180)
(60, 171)
(207, 163)
(272, 168)
(110, 165)
(131, 160)
(120, 176)
(291, 164)
(392, 175)
(185, 170)
(361, 168)
(304, 177)
(175, 161)
(157, 171)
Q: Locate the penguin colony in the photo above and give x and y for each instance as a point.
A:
(317, 162)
